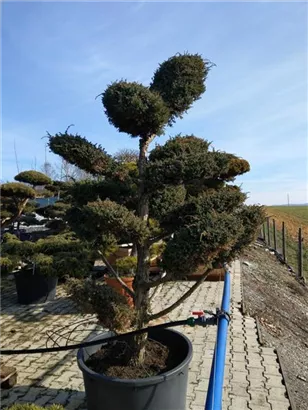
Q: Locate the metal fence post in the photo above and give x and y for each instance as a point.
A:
(274, 233)
(284, 242)
(300, 253)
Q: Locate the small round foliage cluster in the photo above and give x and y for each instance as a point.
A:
(135, 109)
(17, 190)
(33, 178)
(180, 81)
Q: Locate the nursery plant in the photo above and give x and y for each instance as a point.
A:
(16, 196)
(57, 255)
(182, 192)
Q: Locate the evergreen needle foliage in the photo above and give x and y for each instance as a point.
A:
(180, 195)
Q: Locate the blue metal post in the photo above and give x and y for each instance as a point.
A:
(215, 388)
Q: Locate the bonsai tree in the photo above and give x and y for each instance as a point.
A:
(56, 255)
(181, 192)
(16, 196)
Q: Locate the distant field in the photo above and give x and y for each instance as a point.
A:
(294, 217)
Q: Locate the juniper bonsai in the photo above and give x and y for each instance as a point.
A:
(181, 192)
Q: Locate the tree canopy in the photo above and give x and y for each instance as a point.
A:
(14, 199)
(181, 191)
(33, 178)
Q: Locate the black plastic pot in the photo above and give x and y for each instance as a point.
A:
(166, 391)
(33, 287)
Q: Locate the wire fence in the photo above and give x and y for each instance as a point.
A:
(290, 250)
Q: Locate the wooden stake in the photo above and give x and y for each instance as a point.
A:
(300, 253)
(274, 232)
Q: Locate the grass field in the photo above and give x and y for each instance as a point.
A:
(294, 217)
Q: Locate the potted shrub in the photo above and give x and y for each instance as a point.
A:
(186, 187)
(41, 263)
(126, 268)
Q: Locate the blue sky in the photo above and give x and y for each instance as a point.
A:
(56, 57)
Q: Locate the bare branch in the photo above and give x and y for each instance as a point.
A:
(71, 125)
(115, 274)
(181, 300)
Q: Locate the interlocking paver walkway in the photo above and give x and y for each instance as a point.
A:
(252, 377)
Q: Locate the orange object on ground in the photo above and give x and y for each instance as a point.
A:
(117, 286)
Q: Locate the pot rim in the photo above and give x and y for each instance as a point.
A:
(140, 381)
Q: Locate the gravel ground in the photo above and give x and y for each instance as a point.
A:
(280, 302)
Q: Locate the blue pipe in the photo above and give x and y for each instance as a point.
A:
(215, 388)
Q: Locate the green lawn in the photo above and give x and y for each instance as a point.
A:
(300, 212)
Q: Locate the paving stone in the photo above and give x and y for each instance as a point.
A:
(59, 371)
(239, 403)
(238, 389)
(279, 405)
(277, 394)
(239, 377)
(272, 370)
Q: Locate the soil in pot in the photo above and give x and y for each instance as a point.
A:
(113, 361)
(167, 390)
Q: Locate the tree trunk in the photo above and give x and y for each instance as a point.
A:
(8, 221)
(143, 252)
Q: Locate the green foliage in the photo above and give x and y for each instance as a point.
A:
(163, 201)
(135, 109)
(31, 406)
(236, 166)
(181, 81)
(57, 210)
(76, 150)
(7, 264)
(181, 188)
(126, 266)
(110, 307)
(33, 178)
(180, 147)
(124, 192)
(58, 255)
(187, 159)
(16, 190)
(200, 242)
(107, 216)
(157, 249)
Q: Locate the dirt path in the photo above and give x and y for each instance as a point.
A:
(273, 295)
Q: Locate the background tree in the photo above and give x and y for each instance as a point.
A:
(14, 199)
(182, 192)
(126, 155)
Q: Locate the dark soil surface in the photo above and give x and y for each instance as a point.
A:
(280, 302)
(113, 361)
